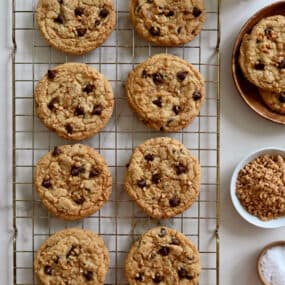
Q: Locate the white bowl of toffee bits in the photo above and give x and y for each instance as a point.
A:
(258, 188)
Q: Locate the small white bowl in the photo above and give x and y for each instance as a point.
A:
(274, 223)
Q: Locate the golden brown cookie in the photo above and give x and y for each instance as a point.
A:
(163, 178)
(74, 100)
(76, 26)
(73, 181)
(274, 101)
(72, 256)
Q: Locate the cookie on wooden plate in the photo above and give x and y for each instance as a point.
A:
(72, 256)
(76, 26)
(73, 181)
(74, 100)
(163, 178)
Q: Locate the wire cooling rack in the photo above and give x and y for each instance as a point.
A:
(120, 222)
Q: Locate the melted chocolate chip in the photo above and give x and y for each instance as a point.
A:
(180, 169)
(196, 95)
(179, 30)
(157, 278)
(175, 241)
(259, 66)
(59, 19)
(97, 22)
(196, 12)
(56, 151)
(169, 14)
(88, 275)
(69, 128)
(79, 200)
(104, 13)
(174, 201)
(164, 251)
(157, 102)
(46, 183)
(81, 32)
(149, 157)
(48, 270)
(60, 1)
(141, 183)
(144, 74)
(162, 232)
(176, 109)
(154, 31)
(56, 259)
(76, 170)
(88, 88)
(161, 129)
(282, 64)
(79, 111)
(139, 276)
(157, 78)
(97, 110)
(282, 98)
(156, 178)
(181, 75)
(182, 273)
(51, 104)
(79, 11)
(149, 1)
(93, 173)
(268, 31)
(51, 74)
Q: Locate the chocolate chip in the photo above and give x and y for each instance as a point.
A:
(176, 109)
(174, 201)
(72, 251)
(81, 32)
(97, 22)
(196, 12)
(79, 200)
(56, 259)
(88, 275)
(56, 151)
(157, 102)
(156, 178)
(282, 98)
(141, 183)
(149, 157)
(46, 183)
(157, 78)
(162, 232)
(79, 111)
(97, 110)
(60, 1)
(144, 74)
(268, 31)
(93, 173)
(139, 276)
(169, 14)
(161, 129)
(179, 30)
(69, 128)
(182, 273)
(282, 64)
(164, 251)
(259, 66)
(51, 74)
(180, 169)
(76, 170)
(104, 13)
(88, 88)
(155, 31)
(149, 1)
(196, 95)
(157, 278)
(181, 75)
(52, 102)
(48, 270)
(175, 241)
(59, 19)
(79, 11)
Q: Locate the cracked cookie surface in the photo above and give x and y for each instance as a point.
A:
(163, 178)
(73, 181)
(166, 92)
(72, 256)
(262, 54)
(75, 26)
(74, 100)
(163, 256)
(167, 22)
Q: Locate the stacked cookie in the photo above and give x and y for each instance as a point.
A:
(262, 60)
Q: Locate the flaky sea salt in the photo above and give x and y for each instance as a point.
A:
(273, 265)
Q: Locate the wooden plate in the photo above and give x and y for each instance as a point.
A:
(259, 272)
(248, 91)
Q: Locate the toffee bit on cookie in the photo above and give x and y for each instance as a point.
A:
(196, 12)
(174, 201)
(48, 270)
(157, 102)
(59, 19)
(154, 31)
(157, 278)
(157, 78)
(196, 95)
(69, 128)
(56, 151)
(104, 13)
(88, 275)
(259, 65)
(181, 75)
(141, 183)
(79, 11)
(46, 183)
(51, 74)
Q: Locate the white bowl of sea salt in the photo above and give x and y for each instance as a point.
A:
(271, 264)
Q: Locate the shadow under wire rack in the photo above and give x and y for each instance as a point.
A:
(120, 221)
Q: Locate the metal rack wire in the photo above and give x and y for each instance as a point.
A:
(120, 222)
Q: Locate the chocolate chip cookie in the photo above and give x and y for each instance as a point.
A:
(274, 101)
(163, 177)
(74, 100)
(163, 256)
(262, 56)
(167, 22)
(166, 92)
(73, 181)
(72, 256)
(75, 26)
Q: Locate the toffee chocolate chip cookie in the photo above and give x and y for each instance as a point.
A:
(74, 100)
(75, 26)
(166, 92)
(163, 255)
(73, 181)
(163, 177)
(262, 56)
(167, 22)
(72, 256)
(274, 101)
